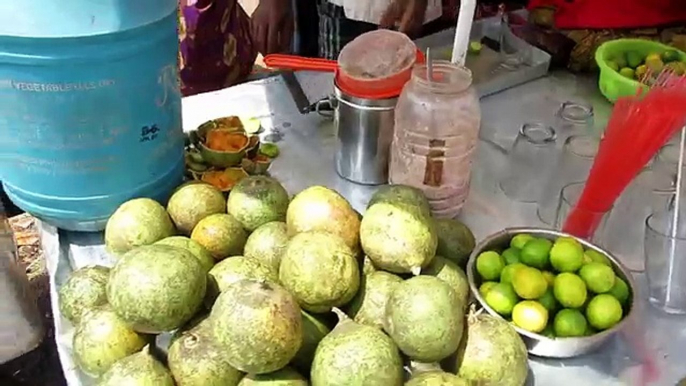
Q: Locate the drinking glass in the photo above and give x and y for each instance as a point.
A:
(648, 193)
(569, 196)
(665, 263)
(574, 118)
(529, 158)
(667, 159)
(573, 165)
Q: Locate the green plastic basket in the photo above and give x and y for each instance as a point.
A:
(612, 84)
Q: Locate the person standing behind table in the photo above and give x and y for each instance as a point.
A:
(215, 47)
(340, 21)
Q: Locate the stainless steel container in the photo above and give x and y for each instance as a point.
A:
(21, 327)
(538, 344)
(365, 133)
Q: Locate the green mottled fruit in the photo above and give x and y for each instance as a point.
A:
(320, 209)
(196, 360)
(398, 237)
(369, 304)
(157, 288)
(491, 353)
(320, 270)
(356, 355)
(221, 234)
(192, 246)
(267, 244)
(85, 288)
(436, 378)
(101, 339)
(137, 222)
(284, 377)
(424, 318)
(455, 241)
(192, 202)
(453, 275)
(257, 200)
(234, 269)
(402, 194)
(258, 325)
(140, 369)
(314, 330)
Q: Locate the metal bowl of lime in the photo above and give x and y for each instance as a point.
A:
(565, 296)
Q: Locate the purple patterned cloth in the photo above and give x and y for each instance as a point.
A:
(215, 46)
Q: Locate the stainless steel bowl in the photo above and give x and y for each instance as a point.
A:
(538, 344)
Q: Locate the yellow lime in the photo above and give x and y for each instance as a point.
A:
(675, 67)
(613, 65)
(519, 240)
(633, 59)
(530, 315)
(508, 272)
(548, 300)
(511, 255)
(654, 56)
(598, 277)
(604, 311)
(641, 71)
(486, 286)
(569, 322)
(566, 255)
(529, 283)
(620, 290)
(569, 290)
(535, 253)
(549, 277)
(598, 257)
(502, 298)
(627, 72)
(489, 265)
(655, 65)
(670, 56)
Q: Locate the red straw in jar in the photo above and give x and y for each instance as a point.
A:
(637, 128)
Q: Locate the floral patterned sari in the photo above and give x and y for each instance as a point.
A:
(215, 46)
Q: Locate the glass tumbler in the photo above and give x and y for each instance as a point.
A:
(649, 192)
(569, 196)
(574, 118)
(573, 165)
(665, 263)
(667, 159)
(529, 158)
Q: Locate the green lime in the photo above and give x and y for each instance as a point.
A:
(502, 298)
(598, 257)
(569, 290)
(641, 71)
(489, 265)
(549, 331)
(566, 255)
(548, 300)
(613, 65)
(529, 283)
(511, 255)
(530, 315)
(508, 272)
(549, 277)
(475, 47)
(620, 290)
(627, 72)
(670, 56)
(569, 322)
(633, 59)
(675, 67)
(598, 277)
(486, 286)
(604, 311)
(620, 59)
(590, 330)
(519, 240)
(535, 253)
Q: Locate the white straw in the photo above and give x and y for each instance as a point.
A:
(463, 30)
(675, 216)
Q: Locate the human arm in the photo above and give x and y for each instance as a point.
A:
(272, 27)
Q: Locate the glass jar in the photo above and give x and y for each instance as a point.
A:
(437, 122)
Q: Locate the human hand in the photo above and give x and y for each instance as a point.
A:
(271, 26)
(407, 14)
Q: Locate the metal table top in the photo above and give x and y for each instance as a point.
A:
(307, 147)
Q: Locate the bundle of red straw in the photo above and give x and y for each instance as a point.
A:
(638, 127)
